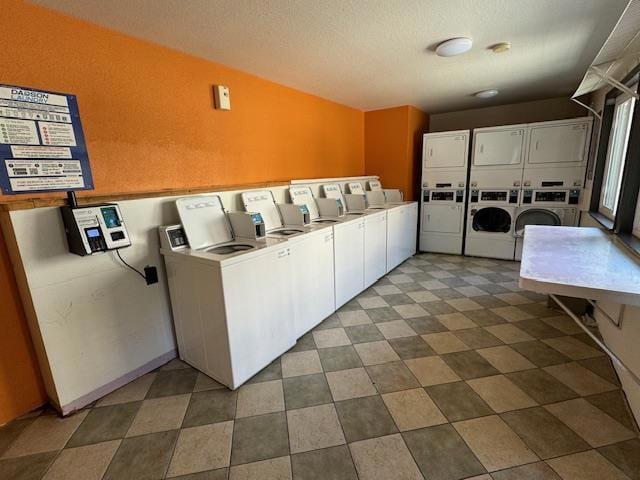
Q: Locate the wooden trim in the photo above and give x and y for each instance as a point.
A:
(28, 204)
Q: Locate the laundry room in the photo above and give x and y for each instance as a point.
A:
(326, 240)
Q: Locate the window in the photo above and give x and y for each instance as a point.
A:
(616, 154)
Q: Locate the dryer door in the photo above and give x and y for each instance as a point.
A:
(491, 220)
(535, 216)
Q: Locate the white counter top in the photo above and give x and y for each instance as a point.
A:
(579, 262)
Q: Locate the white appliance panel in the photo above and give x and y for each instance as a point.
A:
(204, 220)
(348, 244)
(501, 147)
(445, 218)
(561, 144)
(302, 195)
(262, 202)
(375, 247)
(446, 150)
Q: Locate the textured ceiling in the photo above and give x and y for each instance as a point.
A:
(374, 54)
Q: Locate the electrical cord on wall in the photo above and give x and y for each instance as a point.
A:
(127, 265)
(150, 274)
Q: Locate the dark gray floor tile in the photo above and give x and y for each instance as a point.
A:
(383, 314)
(10, 432)
(533, 471)
(173, 382)
(219, 474)
(492, 288)
(625, 455)
(105, 423)
(259, 438)
(536, 297)
(420, 277)
(488, 301)
(327, 464)
(539, 310)
(469, 364)
(398, 299)
(458, 401)
(425, 325)
(614, 404)
(477, 338)
(454, 282)
(143, 458)
(497, 277)
(410, 287)
(363, 333)
(349, 306)
(304, 343)
(411, 347)
(601, 366)
(306, 391)
(363, 418)
(339, 358)
(441, 454)
(438, 308)
(546, 435)
(211, 406)
(369, 292)
(485, 318)
(540, 354)
(446, 293)
(541, 386)
(332, 321)
(31, 467)
(538, 329)
(391, 377)
(583, 337)
(273, 371)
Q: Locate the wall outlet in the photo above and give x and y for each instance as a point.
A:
(221, 97)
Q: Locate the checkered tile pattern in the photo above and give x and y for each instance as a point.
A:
(444, 369)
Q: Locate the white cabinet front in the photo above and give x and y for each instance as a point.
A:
(375, 248)
(409, 231)
(446, 151)
(259, 312)
(442, 218)
(348, 244)
(313, 285)
(499, 147)
(565, 144)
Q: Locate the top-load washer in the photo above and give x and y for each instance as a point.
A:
(545, 207)
(230, 297)
(490, 222)
(497, 158)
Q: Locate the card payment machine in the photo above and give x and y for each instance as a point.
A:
(94, 228)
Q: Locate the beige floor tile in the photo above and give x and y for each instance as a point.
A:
(47, 433)
(431, 371)
(159, 415)
(204, 382)
(456, 321)
(83, 463)
(131, 392)
(387, 290)
(433, 285)
(573, 348)
(512, 298)
(464, 304)
(384, 458)
(301, 363)
(370, 302)
(501, 394)
(591, 423)
(423, 296)
(509, 333)
(445, 342)
(589, 465)
(563, 323)
(331, 337)
(579, 379)
(375, 353)
(356, 317)
(412, 310)
(202, 448)
(494, 443)
(512, 314)
(313, 428)
(400, 278)
(470, 291)
(272, 469)
(413, 409)
(505, 359)
(260, 398)
(352, 383)
(395, 329)
(480, 477)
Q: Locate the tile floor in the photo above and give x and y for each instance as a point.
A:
(444, 369)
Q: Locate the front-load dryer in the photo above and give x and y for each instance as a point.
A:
(490, 223)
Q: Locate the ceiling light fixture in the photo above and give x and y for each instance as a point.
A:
(486, 93)
(454, 46)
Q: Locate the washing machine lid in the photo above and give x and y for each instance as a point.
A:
(536, 216)
(333, 190)
(262, 202)
(355, 188)
(375, 185)
(301, 195)
(492, 220)
(204, 221)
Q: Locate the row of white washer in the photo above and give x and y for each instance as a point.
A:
(238, 303)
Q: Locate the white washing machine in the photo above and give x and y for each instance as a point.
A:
(545, 207)
(230, 297)
(490, 223)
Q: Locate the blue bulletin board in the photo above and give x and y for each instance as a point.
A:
(42, 145)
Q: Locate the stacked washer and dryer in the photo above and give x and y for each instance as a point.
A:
(527, 174)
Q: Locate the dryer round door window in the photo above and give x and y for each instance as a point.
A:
(492, 219)
(536, 216)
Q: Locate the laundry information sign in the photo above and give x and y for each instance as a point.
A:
(42, 146)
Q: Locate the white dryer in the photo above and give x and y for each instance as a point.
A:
(545, 207)
(497, 158)
(490, 223)
(445, 150)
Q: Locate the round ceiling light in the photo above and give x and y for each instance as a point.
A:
(486, 93)
(454, 46)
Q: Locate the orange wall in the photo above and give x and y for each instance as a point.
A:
(393, 139)
(148, 119)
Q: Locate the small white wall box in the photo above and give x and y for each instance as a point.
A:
(221, 97)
